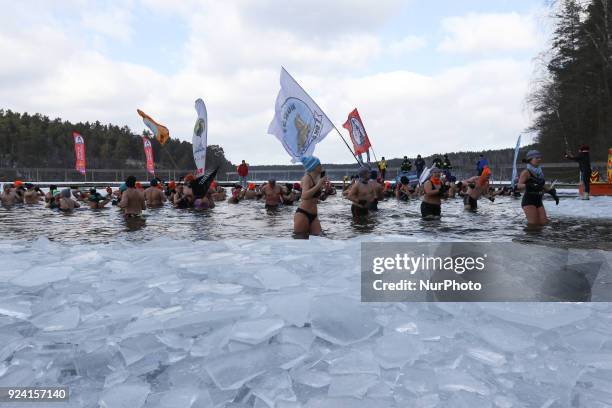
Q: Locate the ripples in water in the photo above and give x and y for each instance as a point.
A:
(499, 221)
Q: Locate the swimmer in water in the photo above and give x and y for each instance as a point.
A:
(272, 194)
(50, 197)
(477, 187)
(532, 182)
(237, 194)
(8, 196)
(306, 221)
(96, 200)
(362, 194)
(379, 190)
(251, 192)
(32, 195)
(66, 202)
(402, 190)
(154, 196)
(433, 191)
(132, 199)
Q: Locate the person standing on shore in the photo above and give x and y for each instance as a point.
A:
(306, 221)
(132, 199)
(584, 164)
(243, 172)
(481, 163)
(382, 168)
(419, 163)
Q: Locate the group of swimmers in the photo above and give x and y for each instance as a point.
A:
(364, 191)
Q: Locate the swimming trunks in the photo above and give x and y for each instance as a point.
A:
(271, 206)
(358, 211)
(311, 217)
(473, 203)
(428, 209)
(530, 198)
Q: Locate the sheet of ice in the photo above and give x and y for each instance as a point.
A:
(293, 307)
(127, 321)
(342, 320)
(596, 207)
(541, 315)
(42, 275)
(276, 277)
(62, 320)
(256, 331)
(125, 396)
(231, 370)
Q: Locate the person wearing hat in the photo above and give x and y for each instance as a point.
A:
(96, 200)
(154, 197)
(433, 192)
(362, 194)
(306, 221)
(8, 197)
(584, 164)
(531, 180)
(406, 165)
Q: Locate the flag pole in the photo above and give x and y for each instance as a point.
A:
(327, 117)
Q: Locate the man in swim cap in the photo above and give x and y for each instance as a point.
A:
(251, 192)
(362, 194)
(96, 200)
(154, 197)
(132, 200)
(306, 220)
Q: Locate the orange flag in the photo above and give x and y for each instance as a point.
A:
(161, 133)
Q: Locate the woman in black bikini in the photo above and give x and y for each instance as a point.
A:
(533, 183)
(305, 220)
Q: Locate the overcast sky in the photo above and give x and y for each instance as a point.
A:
(426, 76)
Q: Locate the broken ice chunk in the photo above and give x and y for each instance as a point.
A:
(52, 321)
(396, 349)
(355, 362)
(125, 396)
(273, 387)
(231, 370)
(256, 331)
(42, 275)
(342, 320)
(277, 277)
(293, 307)
(541, 315)
(352, 385)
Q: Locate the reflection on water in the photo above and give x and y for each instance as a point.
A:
(499, 221)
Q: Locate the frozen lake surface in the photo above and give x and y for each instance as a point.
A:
(182, 313)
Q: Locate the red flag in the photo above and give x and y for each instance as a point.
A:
(148, 149)
(79, 152)
(359, 137)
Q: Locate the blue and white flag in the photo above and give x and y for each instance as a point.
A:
(200, 134)
(298, 121)
(516, 153)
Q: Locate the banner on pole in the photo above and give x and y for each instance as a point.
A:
(79, 152)
(200, 136)
(298, 121)
(359, 137)
(514, 169)
(148, 149)
(161, 133)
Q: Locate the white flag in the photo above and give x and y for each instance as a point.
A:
(298, 122)
(516, 153)
(200, 132)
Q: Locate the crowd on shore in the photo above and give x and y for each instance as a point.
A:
(363, 191)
